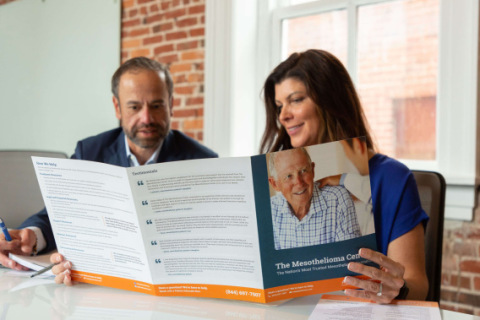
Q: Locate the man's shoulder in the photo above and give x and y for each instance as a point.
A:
(278, 200)
(103, 147)
(332, 191)
(279, 206)
(106, 137)
(186, 147)
(334, 196)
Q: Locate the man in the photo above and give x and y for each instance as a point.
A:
(303, 214)
(358, 184)
(143, 100)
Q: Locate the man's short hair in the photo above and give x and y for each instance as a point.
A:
(272, 156)
(138, 64)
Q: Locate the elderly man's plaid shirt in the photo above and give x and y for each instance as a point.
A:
(331, 218)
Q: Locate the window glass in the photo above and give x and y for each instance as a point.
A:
(397, 67)
(397, 75)
(326, 31)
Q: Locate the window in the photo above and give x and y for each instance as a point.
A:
(326, 30)
(397, 61)
(414, 63)
(414, 127)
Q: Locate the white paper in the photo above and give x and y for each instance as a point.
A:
(340, 310)
(199, 222)
(93, 217)
(193, 222)
(35, 263)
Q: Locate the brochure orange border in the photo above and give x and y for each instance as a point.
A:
(214, 291)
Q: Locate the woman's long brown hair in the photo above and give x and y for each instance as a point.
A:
(328, 84)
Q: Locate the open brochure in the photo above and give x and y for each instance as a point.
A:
(212, 227)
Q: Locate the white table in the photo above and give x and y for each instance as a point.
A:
(43, 299)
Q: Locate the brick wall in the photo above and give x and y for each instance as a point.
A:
(461, 266)
(172, 32)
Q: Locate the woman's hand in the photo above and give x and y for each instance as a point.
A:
(331, 181)
(334, 181)
(62, 270)
(385, 283)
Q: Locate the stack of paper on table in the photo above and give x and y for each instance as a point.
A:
(34, 263)
(342, 307)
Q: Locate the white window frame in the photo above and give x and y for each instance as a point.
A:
(232, 85)
(234, 112)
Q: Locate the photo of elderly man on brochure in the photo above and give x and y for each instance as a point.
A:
(305, 213)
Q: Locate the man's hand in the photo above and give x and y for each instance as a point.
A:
(22, 243)
(62, 270)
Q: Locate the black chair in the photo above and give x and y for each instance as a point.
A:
(20, 195)
(432, 187)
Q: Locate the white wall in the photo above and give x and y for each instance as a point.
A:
(56, 61)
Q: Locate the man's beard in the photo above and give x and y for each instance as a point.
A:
(147, 143)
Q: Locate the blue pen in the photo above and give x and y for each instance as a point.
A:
(5, 230)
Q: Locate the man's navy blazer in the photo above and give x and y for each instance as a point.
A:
(109, 147)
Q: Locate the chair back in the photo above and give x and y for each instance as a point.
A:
(432, 188)
(20, 195)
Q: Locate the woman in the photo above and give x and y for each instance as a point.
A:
(310, 99)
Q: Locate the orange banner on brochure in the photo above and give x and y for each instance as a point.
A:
(113, 282)
(306, 288)
(214, 291)
(187, 290)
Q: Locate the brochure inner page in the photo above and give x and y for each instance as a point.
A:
(199, 226)
(90, 207)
